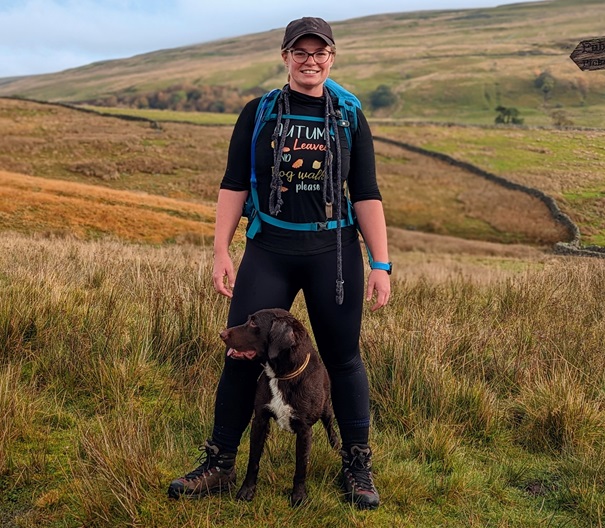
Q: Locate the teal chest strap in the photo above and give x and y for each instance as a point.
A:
(257, 217)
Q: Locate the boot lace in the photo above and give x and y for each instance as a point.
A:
(205, 460)
(359, 469)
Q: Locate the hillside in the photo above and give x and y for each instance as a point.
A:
(174, 160)
(67, 209)
(455, 65)
(181, 165)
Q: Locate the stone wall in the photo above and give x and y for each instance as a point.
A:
(571, 246)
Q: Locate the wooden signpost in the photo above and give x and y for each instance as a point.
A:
(590, 54)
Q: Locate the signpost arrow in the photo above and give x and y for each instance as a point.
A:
(590, 54)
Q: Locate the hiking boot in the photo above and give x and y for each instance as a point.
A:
(215, 474)
(357, 477)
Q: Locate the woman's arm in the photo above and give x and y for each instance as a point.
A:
(228, 213)
(370, 216)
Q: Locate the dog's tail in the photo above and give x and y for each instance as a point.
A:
(327, 420)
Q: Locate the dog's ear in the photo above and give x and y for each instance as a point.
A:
(281, 337)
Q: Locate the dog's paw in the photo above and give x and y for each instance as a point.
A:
(335, 442)
(246, 493)
(298, 497)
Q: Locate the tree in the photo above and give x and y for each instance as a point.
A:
(177, 100)
(508, 116)
(217, 106)
(110, 100)
(382, 97)
(545, 82)
(141, 102)
(560, 119)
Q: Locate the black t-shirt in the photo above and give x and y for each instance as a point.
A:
(302, 173)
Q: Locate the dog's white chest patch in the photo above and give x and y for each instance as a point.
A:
(278, 406)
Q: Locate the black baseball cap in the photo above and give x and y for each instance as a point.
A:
(307, 26)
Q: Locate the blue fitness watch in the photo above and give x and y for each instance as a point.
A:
(385, 266)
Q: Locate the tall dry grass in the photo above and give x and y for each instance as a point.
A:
(487, 398)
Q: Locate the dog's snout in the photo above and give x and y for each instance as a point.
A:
(224, 334)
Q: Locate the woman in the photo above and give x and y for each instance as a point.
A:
(300, 165)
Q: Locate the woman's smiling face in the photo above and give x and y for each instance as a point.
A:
(309, 76)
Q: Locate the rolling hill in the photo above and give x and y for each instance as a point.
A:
(455, 65)
(69, 171)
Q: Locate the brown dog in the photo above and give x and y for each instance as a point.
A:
(294, 389)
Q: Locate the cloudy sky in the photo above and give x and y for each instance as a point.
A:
(44, 36)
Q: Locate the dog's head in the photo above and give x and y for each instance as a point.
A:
(264, 335)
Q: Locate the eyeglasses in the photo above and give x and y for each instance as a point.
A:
(301, 56)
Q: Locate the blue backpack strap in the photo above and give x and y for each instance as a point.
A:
(251, 207)
(298, 117)
(340, 92)
(263, 114)
(348, 104)
(306, 226)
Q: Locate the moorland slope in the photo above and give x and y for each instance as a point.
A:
(93, 175)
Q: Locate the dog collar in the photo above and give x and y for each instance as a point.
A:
(298, 371)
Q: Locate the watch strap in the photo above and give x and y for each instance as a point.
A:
(385, 266)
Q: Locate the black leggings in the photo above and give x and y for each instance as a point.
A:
(271, 280)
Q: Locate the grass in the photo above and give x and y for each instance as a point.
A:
(486, 395)
(198, 118)
(564, 163)
(513, 151)
(88, 211)
(180, 161)
(434, 196)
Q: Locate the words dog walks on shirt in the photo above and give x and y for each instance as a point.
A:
(306, 138)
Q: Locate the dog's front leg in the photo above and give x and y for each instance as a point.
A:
(258, 435)
(304, 438)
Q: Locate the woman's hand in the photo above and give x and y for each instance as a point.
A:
(223, 269)
(379, 282)
(370, 216)
(228, 213)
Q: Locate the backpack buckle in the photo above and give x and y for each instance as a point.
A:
(322, 226)
(344, 123)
